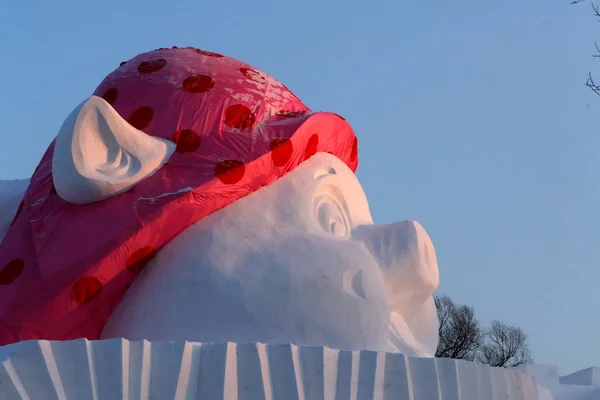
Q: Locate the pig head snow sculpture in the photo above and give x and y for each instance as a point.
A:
(193, 197)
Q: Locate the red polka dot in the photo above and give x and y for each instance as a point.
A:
(11, 271)
(239, 116)
(187, 140)
(254, 75)
(230, 171)
(290, 114)
(86, 289)
(281, 151)
(354, 151)
(147, 67)
(110, 96)
(139, 258)
(122, 63)
(208, 53)
(198, 83)
(141, 117)
(19, 211)
(311, 147)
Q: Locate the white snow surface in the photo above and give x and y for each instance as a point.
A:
(580, 385)
(586, 377)
(299, 261)
(120, 369)
(99, 155)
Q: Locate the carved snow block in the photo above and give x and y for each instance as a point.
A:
(119, 369)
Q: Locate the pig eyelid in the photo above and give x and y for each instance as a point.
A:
(331, 212)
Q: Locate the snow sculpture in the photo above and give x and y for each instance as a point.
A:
(299, 261)
(193, 197)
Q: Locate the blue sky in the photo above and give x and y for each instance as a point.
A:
(472, 118)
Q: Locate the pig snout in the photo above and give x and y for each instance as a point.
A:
(407, 260)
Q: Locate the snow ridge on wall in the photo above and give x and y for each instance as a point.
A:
(119, 369)
(585, 377)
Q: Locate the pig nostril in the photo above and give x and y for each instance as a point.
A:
(353, 284)
(323, 172)
(430, 269)
(428, 257)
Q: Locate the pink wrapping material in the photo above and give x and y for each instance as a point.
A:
(65, 267)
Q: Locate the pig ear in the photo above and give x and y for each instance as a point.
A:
(98, 154)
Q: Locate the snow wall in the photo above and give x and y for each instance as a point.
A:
(119, 369)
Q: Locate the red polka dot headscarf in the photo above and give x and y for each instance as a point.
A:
(65, 267)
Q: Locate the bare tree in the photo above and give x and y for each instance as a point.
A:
(505, 346)
(460, 335)
(590, 81)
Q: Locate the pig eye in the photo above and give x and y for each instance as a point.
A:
(331, 216)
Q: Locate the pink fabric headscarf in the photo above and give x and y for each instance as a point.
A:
(65, 267)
